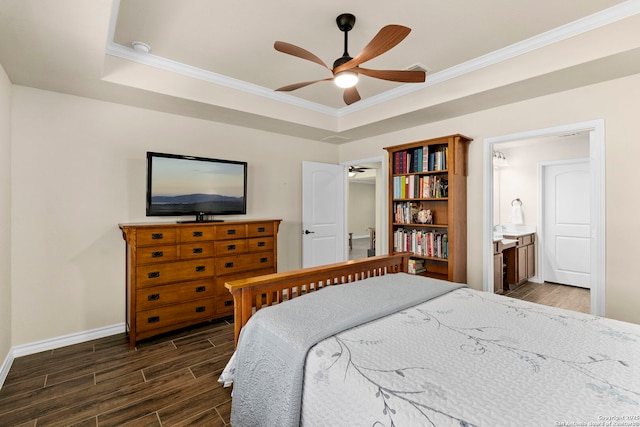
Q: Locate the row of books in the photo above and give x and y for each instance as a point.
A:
(421, 159)
(424, 243)
(416, 266)
(407, 213)
(418, 186)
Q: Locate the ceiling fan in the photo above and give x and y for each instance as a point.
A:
(346, 69)
(357, 169)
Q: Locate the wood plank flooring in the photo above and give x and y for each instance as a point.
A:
(166, 381)
(554, 295)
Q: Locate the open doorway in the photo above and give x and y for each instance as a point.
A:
(366, 198)
(547, 179)
(519, 148)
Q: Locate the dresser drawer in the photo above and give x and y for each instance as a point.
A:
(155, 236)
(196, 250)
(260, 244)
(179, 271)
(175, 314)
(221, 291)
(526, 240)
(229, 247)
(224, 305)
(196, 233)
(149, 254)
(260, 229)
(158, 296)
(237, 231)
(241, 263)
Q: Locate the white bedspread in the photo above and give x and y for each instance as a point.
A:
(470, 358)
(267, 369)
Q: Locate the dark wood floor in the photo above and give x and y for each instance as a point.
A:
(562, 296)
(167, 381)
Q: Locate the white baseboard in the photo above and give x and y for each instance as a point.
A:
(6, 365)
(53, 343)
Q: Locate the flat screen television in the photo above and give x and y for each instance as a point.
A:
(179, 185)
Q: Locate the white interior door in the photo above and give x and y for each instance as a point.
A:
(323, 213)
(567, 223)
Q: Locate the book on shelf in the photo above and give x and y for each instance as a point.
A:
(421, 159)
(417, 186)
(416, 266)
(424, 243)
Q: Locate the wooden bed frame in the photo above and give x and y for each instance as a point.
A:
(252, 294)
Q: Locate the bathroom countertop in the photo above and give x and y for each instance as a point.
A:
(504, 241)
(516, 233)
(516, 230)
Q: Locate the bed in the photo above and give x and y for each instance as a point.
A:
(386, 348)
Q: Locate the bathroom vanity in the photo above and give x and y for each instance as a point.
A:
(514, 259)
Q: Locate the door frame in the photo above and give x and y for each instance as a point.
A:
(382, 217)
(542, 227)
(596, 129)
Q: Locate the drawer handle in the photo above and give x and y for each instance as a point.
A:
(153, 297)
(232, 231)
(261, 244)
(157, 236)
(154, 319)
(264, 259)
(201, 309)
(197, 250)
(231, 247)
(228, 303)
(201, 288)
(200, 268)
(228, 265)
(157, 254)
(260, 229)
(197, 234)
(153, 274)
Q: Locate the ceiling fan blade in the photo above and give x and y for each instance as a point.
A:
(351, 95)
(404, 76)
(388, 37)
(299, 52)
(295, 86)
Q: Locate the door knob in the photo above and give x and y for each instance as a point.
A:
(308, 232)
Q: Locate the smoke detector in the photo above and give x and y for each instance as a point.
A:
(141, 47)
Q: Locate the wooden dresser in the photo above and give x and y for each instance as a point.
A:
(176, 272)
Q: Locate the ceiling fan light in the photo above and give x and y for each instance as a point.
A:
(346, 79)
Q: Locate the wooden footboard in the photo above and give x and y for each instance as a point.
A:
(250, 295)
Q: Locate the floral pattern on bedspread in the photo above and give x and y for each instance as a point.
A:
(470, 358)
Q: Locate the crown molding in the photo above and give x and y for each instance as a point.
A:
(580, 26)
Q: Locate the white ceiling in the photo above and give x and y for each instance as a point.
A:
(216, 60)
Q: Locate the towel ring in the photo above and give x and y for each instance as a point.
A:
(516, 201)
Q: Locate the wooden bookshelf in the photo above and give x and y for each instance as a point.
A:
(430, 175)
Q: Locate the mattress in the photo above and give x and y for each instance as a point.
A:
(470, 358)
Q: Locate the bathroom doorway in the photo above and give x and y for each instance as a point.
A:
(534, 146)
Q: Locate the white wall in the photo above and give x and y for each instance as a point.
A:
(361, 208)
(618, 103)
(5, 216)
(520, 179)
(79, 169)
